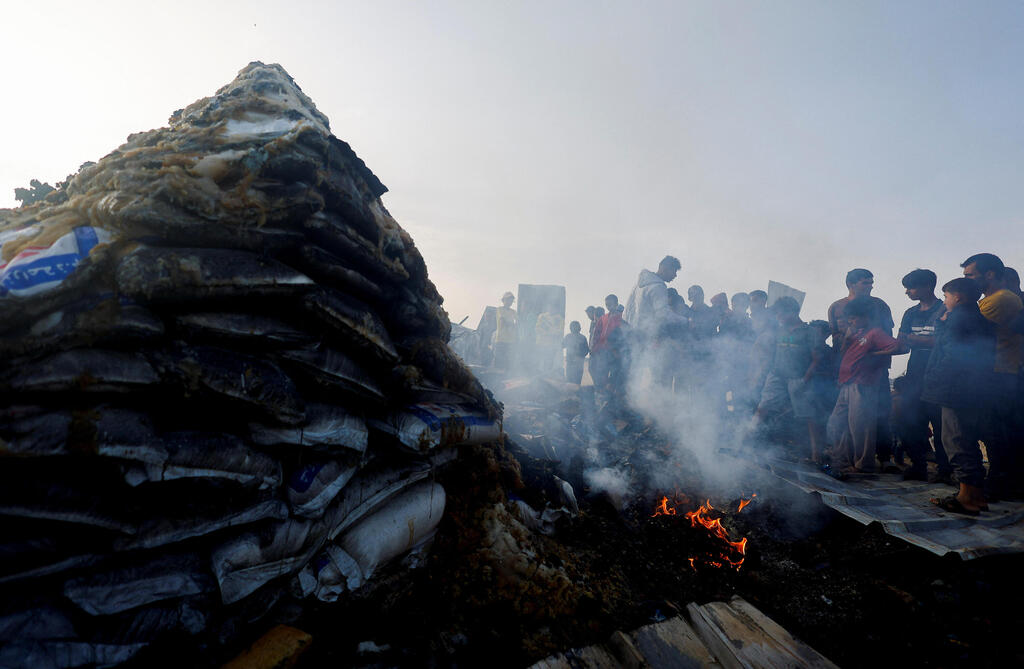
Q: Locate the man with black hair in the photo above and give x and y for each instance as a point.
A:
(959, 379)
(859, 283)
(917, 332)
(853, 425)
(760, 317)
(1001, 307)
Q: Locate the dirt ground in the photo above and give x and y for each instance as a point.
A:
(856, 594)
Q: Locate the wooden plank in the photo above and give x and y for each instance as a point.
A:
(621, 645)
(807, 655)
(749, 643)
(715, 639)
(673, 644)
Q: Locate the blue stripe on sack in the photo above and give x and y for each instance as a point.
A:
(40, 271)
(86, 237)
(434, 422)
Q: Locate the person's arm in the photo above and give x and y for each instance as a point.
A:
(885, 344)
(816, 358)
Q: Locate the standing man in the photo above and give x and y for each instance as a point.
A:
(1003, 423)
(859, 283)
(506, 332)
(648, 303)
(648, 310)
(917, 332)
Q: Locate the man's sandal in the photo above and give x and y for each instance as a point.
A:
(951, 503)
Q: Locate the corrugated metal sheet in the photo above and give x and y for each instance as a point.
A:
(904, 510)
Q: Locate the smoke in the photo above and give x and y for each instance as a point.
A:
(614, 482)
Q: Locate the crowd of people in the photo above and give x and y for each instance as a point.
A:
(762, 365)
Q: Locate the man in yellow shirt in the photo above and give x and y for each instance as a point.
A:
(1004, 424)
(506, 332)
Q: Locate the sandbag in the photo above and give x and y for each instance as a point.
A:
(368, 490)
(395, 528)
(162, 531)
(355, 322)
(44, 622)
(330, 574)
(423, 427)
(104, 431)
(209, 455)
(250, 329)
(246, 380)
(117, 590)
(334, 369)
(245, 563)
(93, 320)
(153, 274)
(40, 266)
(328, 427)
(82, 370)
(315, 485)
(57, 654)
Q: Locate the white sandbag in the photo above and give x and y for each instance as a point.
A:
(117, 590)
(203, 455)
(315, 485)
(422, 427)
(326, 426)
(245, 563)
(396, 528)
(368, 490)
(37, 269)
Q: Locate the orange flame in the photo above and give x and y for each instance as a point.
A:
(663, 509)
(745, 502)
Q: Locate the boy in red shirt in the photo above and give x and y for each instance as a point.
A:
(854, 422)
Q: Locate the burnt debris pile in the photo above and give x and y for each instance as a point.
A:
(224, 377)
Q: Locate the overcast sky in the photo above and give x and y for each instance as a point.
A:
(575, 143)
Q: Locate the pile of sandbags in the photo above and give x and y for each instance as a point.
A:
(223, 376)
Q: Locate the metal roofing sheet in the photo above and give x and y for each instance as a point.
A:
(904, 510)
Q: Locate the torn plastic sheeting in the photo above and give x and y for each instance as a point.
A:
(89, 370)
(66, 564)
(335, 369)
(261, 330)
(146, 624)
(188, 274)
(326, 426)
(109, 432)
(117, 590)
(245, 563)
(423, 427)
(540, 521)
(315, 485)
(203, 455)
(65, 654)
(254, 382)
(396, 528)
(163, 531)
(37, 268)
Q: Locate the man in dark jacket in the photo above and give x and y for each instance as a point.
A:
(958, 379)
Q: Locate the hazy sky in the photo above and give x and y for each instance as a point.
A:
(578, 142)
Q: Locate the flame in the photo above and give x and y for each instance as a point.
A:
(663, 509)
(735, 552)
(745, 502)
